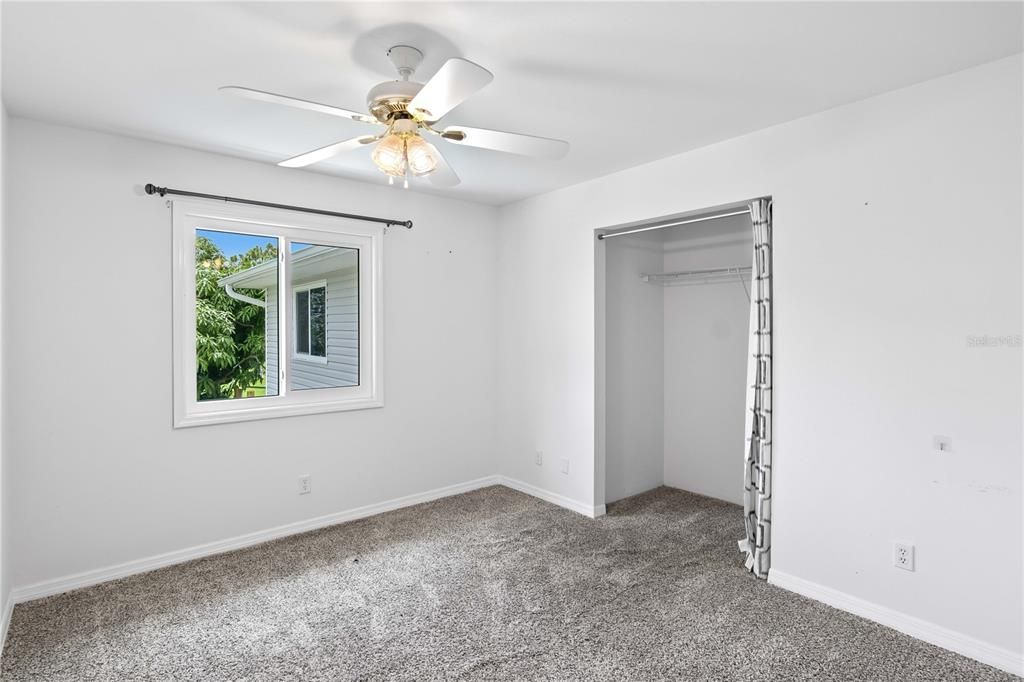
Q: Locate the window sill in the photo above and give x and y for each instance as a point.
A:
(244, 414)
(310, 359)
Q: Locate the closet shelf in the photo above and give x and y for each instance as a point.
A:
(704, 276)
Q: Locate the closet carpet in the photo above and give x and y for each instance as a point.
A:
(490, 585)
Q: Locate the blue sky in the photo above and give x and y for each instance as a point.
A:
(232, 243)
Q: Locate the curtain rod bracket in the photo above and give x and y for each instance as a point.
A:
(387, 222)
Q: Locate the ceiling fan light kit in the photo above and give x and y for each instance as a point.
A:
(409, 110)
(403, 151)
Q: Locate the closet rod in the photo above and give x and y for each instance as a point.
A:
(703, 272)
(745, 211)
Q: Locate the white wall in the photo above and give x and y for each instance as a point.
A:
(898, 235)
(635, 371)
(5, 518)
(5, 586)
(706, 337)
(102, 477)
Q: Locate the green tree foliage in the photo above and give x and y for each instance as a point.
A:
(230, 343)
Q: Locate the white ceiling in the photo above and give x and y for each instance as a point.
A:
(624, 83)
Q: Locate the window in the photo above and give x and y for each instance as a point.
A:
(245, 351)
(325, 319)
(311, 320)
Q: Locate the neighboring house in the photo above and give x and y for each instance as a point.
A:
(324, 329)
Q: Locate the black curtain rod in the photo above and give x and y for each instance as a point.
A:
(153, 189)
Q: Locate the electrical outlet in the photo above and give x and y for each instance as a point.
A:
(305, 484)
(538, 458)
(565, 465)
(903, 556)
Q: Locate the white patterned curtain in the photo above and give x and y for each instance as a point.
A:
(757, 458)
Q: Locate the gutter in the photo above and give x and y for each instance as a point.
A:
(242, 297)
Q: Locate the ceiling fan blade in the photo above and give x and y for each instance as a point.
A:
(443, 175)
(512, 143)
(327, 152)
(261, 96)
(452, 85)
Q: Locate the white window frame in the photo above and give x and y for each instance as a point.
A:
(296, 355)
(189, 215)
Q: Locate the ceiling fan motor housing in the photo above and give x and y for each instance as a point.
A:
(391, 97)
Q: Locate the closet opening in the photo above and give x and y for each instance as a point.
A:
(684, 361)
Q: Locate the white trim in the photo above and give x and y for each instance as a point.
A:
(591, 511)
(957, 642)
(77, 581)
(5, 621)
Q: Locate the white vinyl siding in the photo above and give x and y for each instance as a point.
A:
(342, 366)
(271, 337)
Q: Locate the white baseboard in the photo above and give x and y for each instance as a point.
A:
(957, 642)
(5, 621)
(593, 511)
(48, 588)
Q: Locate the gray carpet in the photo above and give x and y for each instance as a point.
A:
(488, 585)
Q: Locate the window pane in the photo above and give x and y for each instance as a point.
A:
(318, 322)
(329, 278)
(236, 315)
(302, 322)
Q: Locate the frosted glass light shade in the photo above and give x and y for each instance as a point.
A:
(422, 155)
(389, 155)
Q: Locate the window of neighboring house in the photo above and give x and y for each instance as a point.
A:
(242, 350)
(311, 320)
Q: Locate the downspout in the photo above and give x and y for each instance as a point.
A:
(242, 297)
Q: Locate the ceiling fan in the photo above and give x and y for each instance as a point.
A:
(408, 110)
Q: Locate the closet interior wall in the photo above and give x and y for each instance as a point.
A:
(676, 362)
